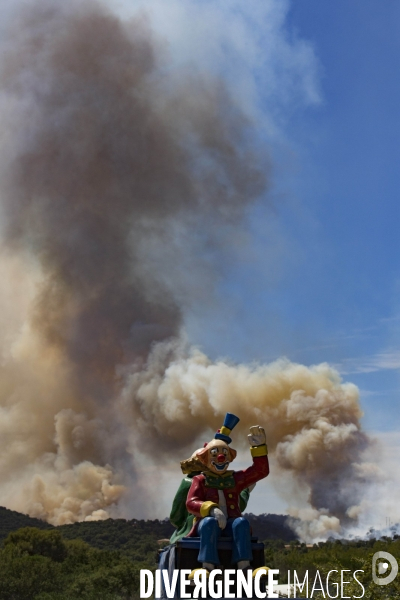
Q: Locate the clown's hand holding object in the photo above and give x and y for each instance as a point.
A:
(219, 515)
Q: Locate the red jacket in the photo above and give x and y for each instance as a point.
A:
(201, 498)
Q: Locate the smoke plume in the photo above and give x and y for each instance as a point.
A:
(311, 418)
(121, 180)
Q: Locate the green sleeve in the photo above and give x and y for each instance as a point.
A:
(179, 511)
(243, 499)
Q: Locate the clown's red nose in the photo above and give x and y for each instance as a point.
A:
(221, 458)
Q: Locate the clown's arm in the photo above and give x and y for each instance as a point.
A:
(259, 451)
(196, 502)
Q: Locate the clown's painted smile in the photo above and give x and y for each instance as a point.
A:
(220, 467)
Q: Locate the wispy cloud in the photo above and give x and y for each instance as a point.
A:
(339, 340)
(389, 360)
(395, 318)
(378, 393)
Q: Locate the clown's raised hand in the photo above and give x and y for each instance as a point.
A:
(256, 436)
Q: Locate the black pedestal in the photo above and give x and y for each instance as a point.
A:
(187, 551)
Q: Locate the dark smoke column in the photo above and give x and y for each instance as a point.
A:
(104, 154)
(101, 161)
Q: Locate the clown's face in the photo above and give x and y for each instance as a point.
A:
(216, 456)
(218, 460)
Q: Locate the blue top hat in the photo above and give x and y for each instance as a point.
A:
(230, 422)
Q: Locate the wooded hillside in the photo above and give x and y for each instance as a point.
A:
(101, 560)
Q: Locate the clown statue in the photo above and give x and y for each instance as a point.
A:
(214, 497)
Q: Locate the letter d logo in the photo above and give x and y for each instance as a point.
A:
(382, 567)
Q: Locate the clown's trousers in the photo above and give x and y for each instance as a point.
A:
(210, 532)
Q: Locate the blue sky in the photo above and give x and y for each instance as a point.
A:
(353, 153)
(320, 278)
